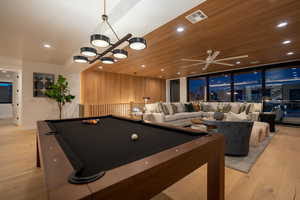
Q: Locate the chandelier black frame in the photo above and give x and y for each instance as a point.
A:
(99, 40)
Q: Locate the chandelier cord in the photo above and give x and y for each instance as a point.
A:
(105, 19)
(111, 28)
(104, 10)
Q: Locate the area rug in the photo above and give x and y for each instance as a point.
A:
(244, 164)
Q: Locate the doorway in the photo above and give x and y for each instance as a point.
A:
(10, 97)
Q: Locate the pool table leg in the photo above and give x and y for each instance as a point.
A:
(215, 174)
(38, 163)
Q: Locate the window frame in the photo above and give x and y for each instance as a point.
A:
(231, 73)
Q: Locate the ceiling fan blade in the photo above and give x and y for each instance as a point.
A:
(187, 66)
(192, 60)
(205, 67)
(233, 58)
(215, 54)
(221, 63)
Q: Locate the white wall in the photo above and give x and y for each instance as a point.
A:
(32, 108)
(183, 90)
(36, 108)
(6, 111)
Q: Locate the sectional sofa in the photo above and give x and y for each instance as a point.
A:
(180, 114)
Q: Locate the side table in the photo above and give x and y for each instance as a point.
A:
(268, 117)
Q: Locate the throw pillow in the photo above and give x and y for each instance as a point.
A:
(150, 108)
(159, 107)
(238, 117)
(186, 107)
(226, 108)
(235, 108)
(165, 109)
(196, 107)
(180, 107)
(170, 109)
(242, 108)
(257, 107)
(174, 108)
(206, 107)
(248, 108)
(191, 107)
(213, 107)
(220, 108)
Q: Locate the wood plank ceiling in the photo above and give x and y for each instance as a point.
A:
(234, 27)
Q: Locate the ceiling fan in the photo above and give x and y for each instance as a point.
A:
(211, 59)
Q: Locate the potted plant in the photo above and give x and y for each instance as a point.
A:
(60, 92)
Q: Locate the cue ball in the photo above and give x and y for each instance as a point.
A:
(134, 136)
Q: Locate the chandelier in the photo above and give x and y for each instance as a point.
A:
(90, 54)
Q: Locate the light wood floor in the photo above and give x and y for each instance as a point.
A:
(276, 174)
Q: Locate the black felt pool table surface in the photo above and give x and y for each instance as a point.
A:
(108, 144)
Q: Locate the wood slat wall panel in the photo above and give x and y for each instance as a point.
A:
(120, 109)
(98, 87)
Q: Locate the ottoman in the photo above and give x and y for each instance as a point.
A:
(260, 131)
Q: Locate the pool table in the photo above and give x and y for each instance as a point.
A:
(104, 160)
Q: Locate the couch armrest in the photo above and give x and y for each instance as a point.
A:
(154, 117)
(254, 116)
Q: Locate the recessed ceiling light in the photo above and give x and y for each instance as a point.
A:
(100, 67)
(290, 53)
(286, 42)
(47, 46)
(180, 29)
(3, 71)
(282, 24)
(162, 69)
(238, 62)
(143, 66)
(178, 73)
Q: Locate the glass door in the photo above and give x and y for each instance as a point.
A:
(283, 94)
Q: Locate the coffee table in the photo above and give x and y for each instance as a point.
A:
(199, 121)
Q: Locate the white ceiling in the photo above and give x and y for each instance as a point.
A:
(67, 24)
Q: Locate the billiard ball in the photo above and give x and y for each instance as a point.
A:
(134, 136)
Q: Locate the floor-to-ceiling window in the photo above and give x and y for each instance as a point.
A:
(248, 86)
(283, 93)
(278, 86)
(197, 89)
(220, 88)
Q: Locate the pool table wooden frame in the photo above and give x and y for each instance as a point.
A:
(139, 180)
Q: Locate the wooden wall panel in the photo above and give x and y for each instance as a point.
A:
(99, 87)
